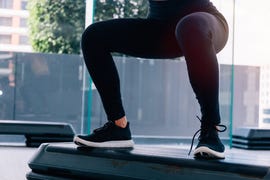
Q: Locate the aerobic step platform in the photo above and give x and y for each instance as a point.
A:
(65, 161)
(251, 138)
(38, 132)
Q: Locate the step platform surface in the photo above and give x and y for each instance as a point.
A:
(37, 132)
(65, 161)
(251, 138)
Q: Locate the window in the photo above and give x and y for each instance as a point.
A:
(5, 21)
(7, 4)
(24, 5)
(5, 39)
(24, 40)
(266, 120)
(266, 111)
(23, 22)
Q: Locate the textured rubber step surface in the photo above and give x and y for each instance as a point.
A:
(143, 162)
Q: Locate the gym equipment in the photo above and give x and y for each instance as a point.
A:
(251, 138)
(37, 132)
(66, 161)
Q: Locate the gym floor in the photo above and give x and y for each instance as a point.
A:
(14, 159)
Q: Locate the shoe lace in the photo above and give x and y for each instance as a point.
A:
(104, 127)
(204, 129)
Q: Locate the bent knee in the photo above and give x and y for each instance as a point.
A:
(91, 35)
(194, 25)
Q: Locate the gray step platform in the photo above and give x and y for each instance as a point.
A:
(64, 161)
(251, 138)
(37, 132)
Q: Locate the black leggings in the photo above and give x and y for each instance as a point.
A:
(197, 36)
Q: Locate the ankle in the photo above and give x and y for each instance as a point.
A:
(122, 122)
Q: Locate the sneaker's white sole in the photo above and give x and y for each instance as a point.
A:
(205, 152)
(107, 144)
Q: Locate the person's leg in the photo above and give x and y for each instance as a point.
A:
(136, 37)
(200, 36)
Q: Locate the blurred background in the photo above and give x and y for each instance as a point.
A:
(43, 77)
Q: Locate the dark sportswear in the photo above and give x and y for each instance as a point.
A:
(191, 28)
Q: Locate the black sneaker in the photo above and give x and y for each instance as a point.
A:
(108, 136)
(209, 146)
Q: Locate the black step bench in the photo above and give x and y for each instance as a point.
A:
(251, 138)
(37, 132)
(64, 161)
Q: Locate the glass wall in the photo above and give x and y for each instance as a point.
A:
(251, 50)
(157, 96)
(41, 87)
(7, 86)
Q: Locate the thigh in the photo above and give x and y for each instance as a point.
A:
(212, 25)
(146, 38)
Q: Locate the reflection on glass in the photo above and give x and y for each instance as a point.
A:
(251, 51)
(41, 87)
(7, 84)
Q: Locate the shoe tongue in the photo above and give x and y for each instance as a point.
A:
(208, 126)
(105, 126)
(208, 130)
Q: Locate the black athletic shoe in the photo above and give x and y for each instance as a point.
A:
(108, 136)
(209, 146)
